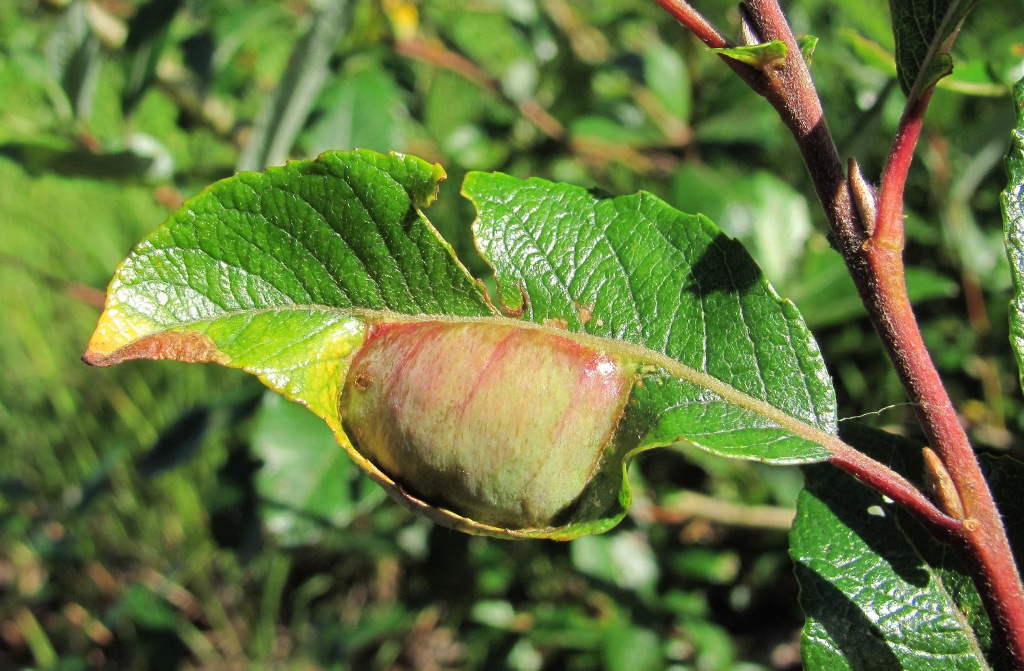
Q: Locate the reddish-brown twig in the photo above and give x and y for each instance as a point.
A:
(872, 251)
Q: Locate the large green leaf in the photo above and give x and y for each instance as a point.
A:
(879, 591)
(263, 271)
(279, 273)
(634, 269)
(1013, 226)
(924, 32)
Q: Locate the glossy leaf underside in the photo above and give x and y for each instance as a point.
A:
(282, 273)
(1013, 227)
(878, 590)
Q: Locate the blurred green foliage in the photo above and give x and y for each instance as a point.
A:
(167, 517)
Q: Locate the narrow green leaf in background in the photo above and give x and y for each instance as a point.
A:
(924, 31)
(306, 485)
(363, 107)
(147, 33)
(878, 590)
(1013, 227)
(666, 75)
(285, 111)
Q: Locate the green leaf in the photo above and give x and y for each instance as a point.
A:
(924, 32)
(285, 111)
(306, 485)
(455, 112)
(140, 607)
(490, 35)
(758, 56)
(73, 57)
(808, 43)
(869, 52)
(878, 590)
(611, 131)
(147, 35)
(262, 272)
(362, 108)
(1013, 228)
(281, 274)
(666, 76)
(623, 559)
(634, 269)
(632, 649)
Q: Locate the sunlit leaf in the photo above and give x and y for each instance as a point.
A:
(147, 34)
(73, 57)
(666, 75)
(307, 486)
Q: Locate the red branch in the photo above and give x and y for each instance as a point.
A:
(876, 265)
(983, 544)
(881, 479)
(888, 229)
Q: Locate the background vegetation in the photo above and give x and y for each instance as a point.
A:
(164, 516)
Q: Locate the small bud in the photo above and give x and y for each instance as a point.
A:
(501, 423)
(865, 201)
(942, 484)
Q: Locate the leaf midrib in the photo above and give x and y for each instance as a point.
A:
(628, 353)
(940, 586)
